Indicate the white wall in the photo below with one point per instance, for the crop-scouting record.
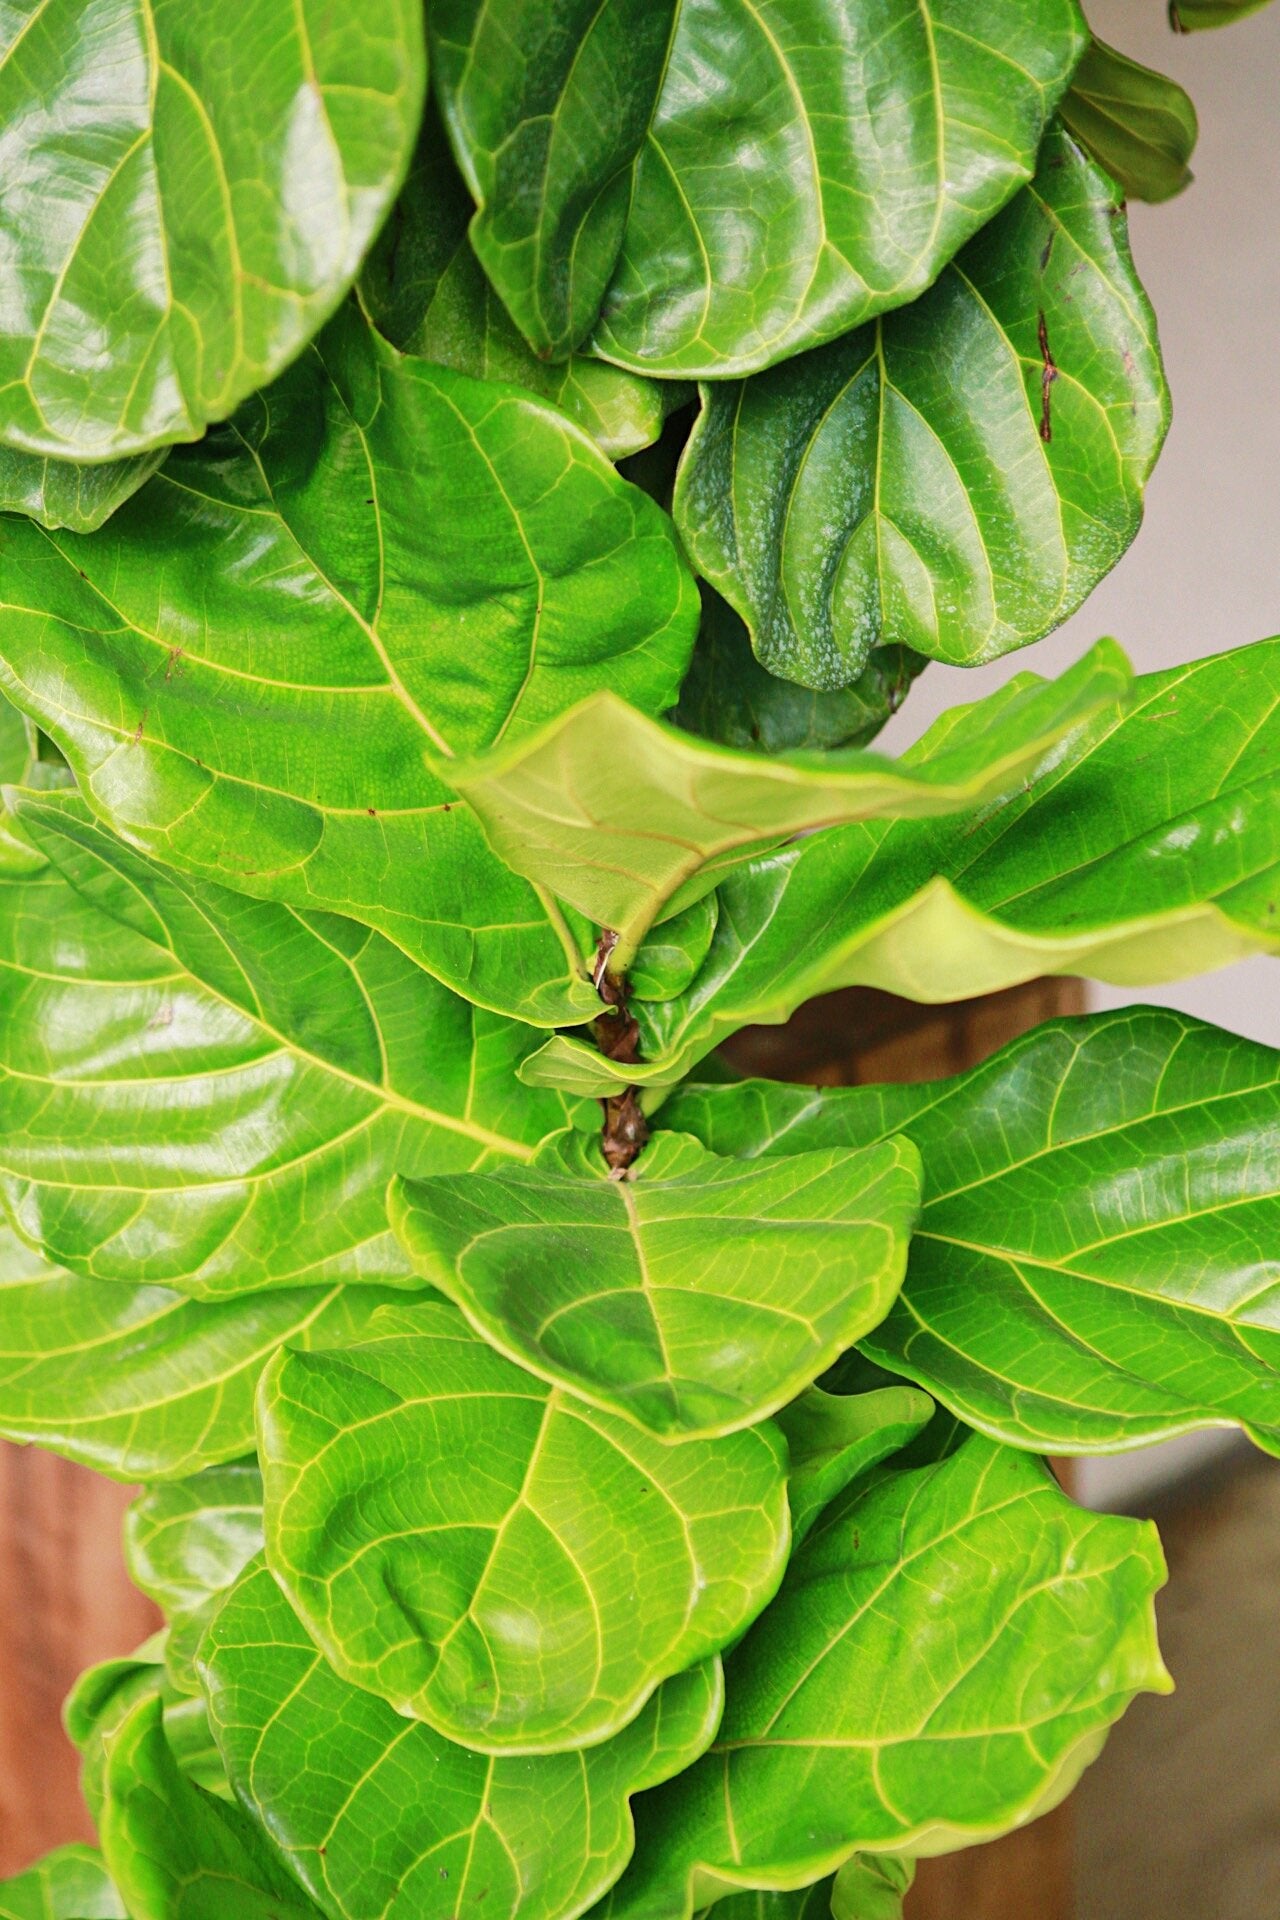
(1204, 572)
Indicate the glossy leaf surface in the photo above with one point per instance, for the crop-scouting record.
(532, 1605)
(428, 293)
(64, 493)
(834, 1437)
(395, 1811)
(955, 477)
(810, 164)
(945, 1656)
(186, 1545)
(69, 1884)
(139, 1382)
(694, 1297)
(1148, 850)
(728, 696)
(106, 1695)
(177, 1852)
(260, 708)
(1141, 125)
(1095, 1264)
(626, 851)
(192, 184)
(208, 1092)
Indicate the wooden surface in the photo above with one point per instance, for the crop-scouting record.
(66, 1602)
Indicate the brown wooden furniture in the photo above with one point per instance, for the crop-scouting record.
(65, 1601)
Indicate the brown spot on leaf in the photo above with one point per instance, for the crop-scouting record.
(1048, 374)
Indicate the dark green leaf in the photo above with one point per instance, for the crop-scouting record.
(186, 1544)
(495, 1557)
(956, 477)
(425, 289)
(260, 707)
(177, 1852)
(834, 1437)
(139, 1382)
(1141, 125)
(1148, 850)
(208, 1092)
(945, 1656)
(1095, 1265)
(839, 157)
(191, 185)
(728, 696)
(694, 1297)
(70, 1884)
(1189, 16)
(736, 181)
(627, 851)
(390, 1811)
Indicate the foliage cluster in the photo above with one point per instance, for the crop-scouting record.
(458, 551)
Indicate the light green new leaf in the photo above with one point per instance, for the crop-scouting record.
(70, 1884)
(191, 185)
(728, 696)
(207, 1092)
(138, 1382)
(493, 1556)
(104, 1696)
(625, 849)
(177, 1852)
(427, 292)
(1141, 125)
(250, 664)
(186, 1544)
(804, 1903)
(945, 1656)
(1147, 850)
(695, 1296)
(1095, 1266)
(64, 493)
(872, 1887)
(955, 477)
(834, 1437)
(810, 164)
(369, 1808)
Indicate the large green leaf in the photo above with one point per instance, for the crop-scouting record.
(625, 851)
(64, 493)
(139, 1382)
(71, 1884)
(735, 181)
(209, 1092)
(955, 477)
(177, 1852)
(872, 1887)
(260, 707)
(728, 696)
(493, 1556)
(1141, 125)
(694, 1297)
(1146, 850)
(945, 1656)
(1095, 1265)
(426, 290)
(187, 1543)
(839, 156)
(191, 186)
(369, 1808)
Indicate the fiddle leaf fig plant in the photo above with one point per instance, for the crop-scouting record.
(475, 483)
